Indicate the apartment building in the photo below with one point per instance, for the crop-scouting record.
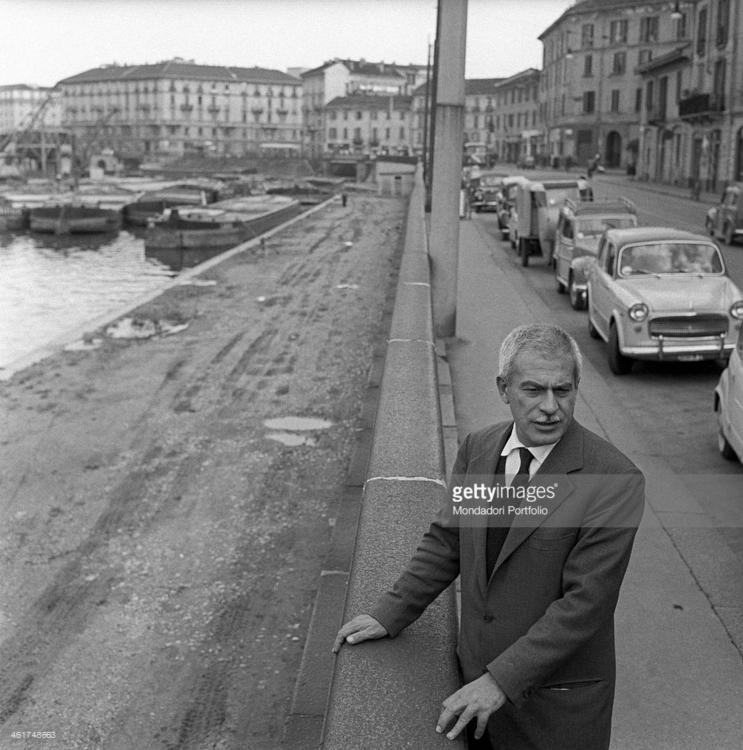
(338, 78)
(592, 82)
(516, 123)
(22, 106)
(369, 124)
(479, 117)
(177, 107)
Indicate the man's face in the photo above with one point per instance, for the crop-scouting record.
(541, 394)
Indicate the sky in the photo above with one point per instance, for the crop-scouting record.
(45, 41)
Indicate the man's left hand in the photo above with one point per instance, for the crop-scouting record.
(479, 698)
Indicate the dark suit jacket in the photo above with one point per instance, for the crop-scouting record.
(543, 625)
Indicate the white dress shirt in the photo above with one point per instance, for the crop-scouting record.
(513, 461)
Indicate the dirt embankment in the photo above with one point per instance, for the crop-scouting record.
(159, 552)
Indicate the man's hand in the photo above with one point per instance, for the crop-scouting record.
(479, 698)
(361, 628)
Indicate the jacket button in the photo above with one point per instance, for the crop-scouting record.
(488, 618)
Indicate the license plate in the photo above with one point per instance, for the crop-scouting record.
(690, 358)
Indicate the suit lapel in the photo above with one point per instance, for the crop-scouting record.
(566, 457)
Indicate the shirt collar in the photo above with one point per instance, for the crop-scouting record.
(540, 452)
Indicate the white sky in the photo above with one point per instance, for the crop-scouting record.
(44, 41)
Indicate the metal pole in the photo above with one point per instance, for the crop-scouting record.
(426, 105)
(447, 173)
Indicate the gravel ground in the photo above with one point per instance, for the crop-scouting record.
(159, 551)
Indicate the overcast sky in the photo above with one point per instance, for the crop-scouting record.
(44, 41)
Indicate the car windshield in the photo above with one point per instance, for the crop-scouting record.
(556, 196)
(595, 226)
(490, 181)
(670, 258)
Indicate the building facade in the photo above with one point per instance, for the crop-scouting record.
(343, 78)
(176, 107)
(517, 132)
(653, 86)
(368, 124)
(23, 106)
(592, 85)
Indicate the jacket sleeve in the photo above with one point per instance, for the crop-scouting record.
(592, 577)
(432, 568)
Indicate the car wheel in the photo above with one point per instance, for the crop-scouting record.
(726, 450)
(618, 363)
(577, 300)
(524, 251)
(729, 235)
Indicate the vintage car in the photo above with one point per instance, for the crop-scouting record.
(485, 190)
(725, 220)
(729, 405)
(538, 205)
(579, 229)
(656, 293)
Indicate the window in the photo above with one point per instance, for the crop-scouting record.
(588, 66)
(619, 63)
(718, 83)
(662, 97)
(702, 32)
(402, 134)
(586, 36)
(332, 133)
(649, 95)
(723, 21)
(333, 114)
(649, 29)
(359, 115)
(386, 134)
(615, 100)
(618, 32)
(589, 102)
(645, 56)
(357, 134)
(345, 134)
(681, 26)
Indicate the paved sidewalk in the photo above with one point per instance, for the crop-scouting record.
(680, 676)
(617, 178)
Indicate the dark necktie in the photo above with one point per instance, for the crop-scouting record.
(496, 535)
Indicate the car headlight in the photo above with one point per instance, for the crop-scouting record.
(736, 309)
(638, 312)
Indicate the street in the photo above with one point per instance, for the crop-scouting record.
(669, 404)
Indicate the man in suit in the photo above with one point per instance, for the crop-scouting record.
(536, 641)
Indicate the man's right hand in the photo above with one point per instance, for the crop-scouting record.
(361, 628)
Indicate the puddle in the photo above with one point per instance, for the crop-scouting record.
(131, 328)
(292, 439)
(297, 424)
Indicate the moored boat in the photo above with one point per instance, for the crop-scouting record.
(69, 219)
(13, 218)
(195, 231)
(189, 193)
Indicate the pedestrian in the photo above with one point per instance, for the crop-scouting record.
(536, 640)
(593, 165)
(344, 199)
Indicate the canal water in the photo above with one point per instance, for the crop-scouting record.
(49, 285)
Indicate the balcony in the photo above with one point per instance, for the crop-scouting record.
(186, 107)
(213, 110)
(701, 106)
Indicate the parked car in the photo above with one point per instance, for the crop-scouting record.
(729, 405)
(579, 229)
(538, 205)
(484, 191)
(725, 220)
(656, 293)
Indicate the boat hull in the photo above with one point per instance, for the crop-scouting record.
(183, 244)
(73, 220)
